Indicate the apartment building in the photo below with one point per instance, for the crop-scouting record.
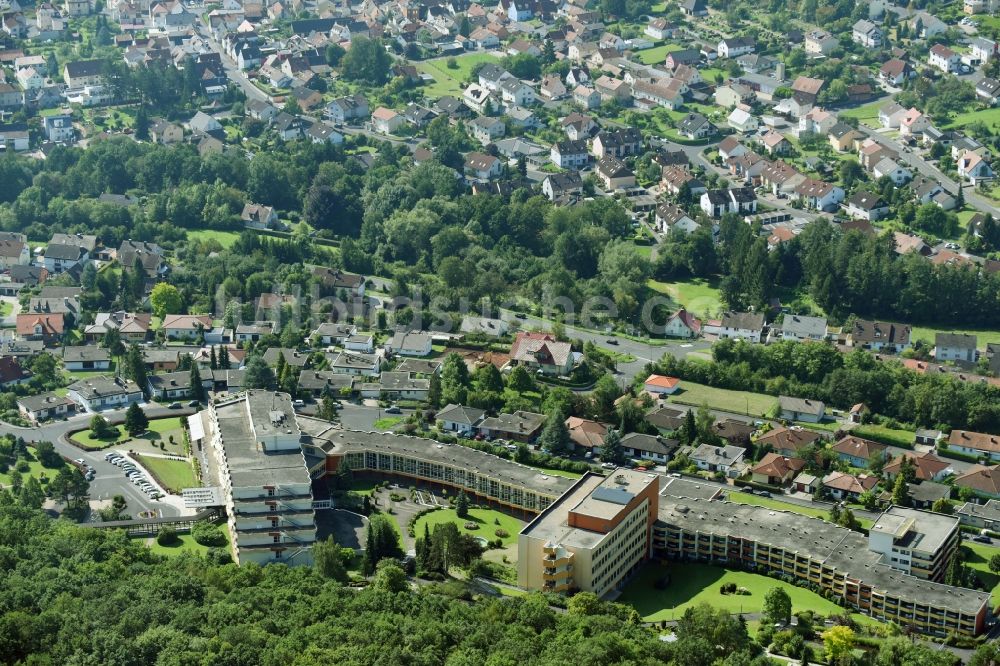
(593, 537)
(485, 478)
(814, 551)
(256, 459)
(919, 543)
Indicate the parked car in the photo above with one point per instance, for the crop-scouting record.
(982, 538)
(174, 405)
(393, 409)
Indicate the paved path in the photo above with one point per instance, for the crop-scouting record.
(109, 480)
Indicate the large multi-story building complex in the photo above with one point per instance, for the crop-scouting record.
(593, 538)
(257, 458)
(832, 558)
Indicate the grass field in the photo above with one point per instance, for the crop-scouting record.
(698, 296)
(173, 475)
(387, 423)
(185, 544)
(558, 472)
(885, 435)
(160, 431)
(692, 584)
(928, 334)
(6, 307)
(484, 518)
(450, 81)
(225, 238)
(657, 54)
(991, 117)
(739, 402)
(866, 115)
(977, 556)
(778, 505)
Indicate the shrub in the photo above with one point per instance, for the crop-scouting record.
(167, 536)
(471, 525)
(22, 466)
(396, 497)
(502, 533)
(207, 534)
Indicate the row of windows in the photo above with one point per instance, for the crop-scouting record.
(610, 544)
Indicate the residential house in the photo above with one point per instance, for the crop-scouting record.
(865, 205)
(843, 137)
(696, 126)
(926, 467)
(739, 200)
(800, 409)
(820, 42)
(775, 143)
(776, 470)
(613, 89)
(734, 94)
(735, 46)
(890, 115)
(45, 406)
(977, 444)
(47, 328)
(819, 195)
(131, 327)
(617, 143)
(893, 170)
(570, 154)
(386, 121)
(409, 343)
(82, 73)
(99, 393)
(694, 7)
(895, 72)
(578, 127)
(552, 88)
(144, 257)
(743, 121)
(165, 132)
(955, 347)
(867, 34)
(788, 442)
(682, 324)
(88, 357)
(660, 28)
(515, 92)
(727, 459)
(943, 58)
(661, 385)
(974, 168)
(258, 216)
(586, 434)
(58, 128)
(740, 325)
(913, 123)
(879, 336)
(988, 90)
(801, 328)
(346, 109)
(659, 449)
(669, 217)
(485, 129)
(981, 480)
(562, 186)
(980, 516)
(614, 174)
(180, 326)
(586, 97)
(859, 452)
(483, 167)
(174, 385)
(542, 352)
(843, 486)
(460, 419)
(331, 333)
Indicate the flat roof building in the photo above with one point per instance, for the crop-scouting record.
(593, 538)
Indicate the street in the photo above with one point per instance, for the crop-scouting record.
(109, 480)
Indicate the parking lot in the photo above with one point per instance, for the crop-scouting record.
(134, 472)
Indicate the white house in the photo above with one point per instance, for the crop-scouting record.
(888, 168)
(99, 393)
(386, 121)
(682, 324)
(972, 167)
(943, 58)
(661, 385)
(726, 459)
(735, 46)
(743, 121)
(460, 419)
(867, 34)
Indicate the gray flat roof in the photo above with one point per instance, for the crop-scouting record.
(337, 440)
(931, 530)
(837, 547)
(249, 464)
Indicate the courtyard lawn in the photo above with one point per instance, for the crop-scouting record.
(387, 423)
(185, 544)
(551, 471)
(700, 297)
(35, 469)
(450, 81)
(6, 307)
(225, 238)
(977, 556)
(484, 518)
(738, 402)
(86, 439)
(160, 431)
(173, 475)
(693, 584)
(983, 336)
(891, 436)
(866, 115)
(778, 505)
(657, 54)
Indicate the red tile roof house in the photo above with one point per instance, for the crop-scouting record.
(975, 444)
(788, 441)
(928, 467)
(185, 326)
(659, 384)
(982, 480)
(35, 326)
(586, 434)
(847, 486)
(859, 452)
(542, 352)
(776, 470)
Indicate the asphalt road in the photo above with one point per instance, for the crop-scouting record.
(109, 480)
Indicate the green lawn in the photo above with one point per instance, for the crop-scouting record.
(740, 402)
(692, 584)
(450, 81)
(387, 423)
(558, 472)
(484, 518)
(657, 54)
(866, 115)
(698, 296)
(6, 307)
(225, 238)
(770, 503)
(928, 334)
(991, 117)
(87, 440)
(977, 556)
(885, 435)
(160, 431)
(36, 469)
(174, 475)
(185, 544)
